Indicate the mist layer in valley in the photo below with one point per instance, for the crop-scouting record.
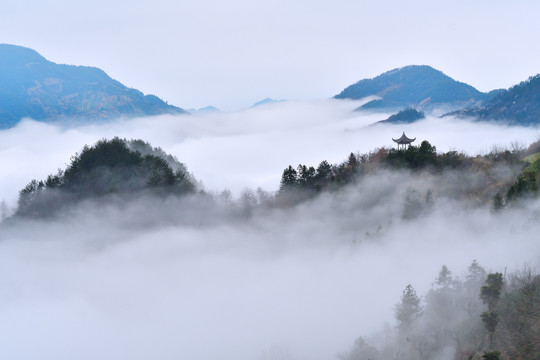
(209, 277)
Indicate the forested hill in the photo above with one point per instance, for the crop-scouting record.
(405, 116)
(477, 179)
(31, 86)
(109, 168)
(519, 105)
(417, 86)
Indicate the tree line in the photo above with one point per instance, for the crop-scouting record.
(491, 316)
(303, 182)
(110, 167)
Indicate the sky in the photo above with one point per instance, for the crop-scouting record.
(230, 54)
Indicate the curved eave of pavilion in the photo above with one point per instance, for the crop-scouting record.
(403, 139)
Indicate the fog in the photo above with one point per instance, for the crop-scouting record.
(200, 279)
(245, 149)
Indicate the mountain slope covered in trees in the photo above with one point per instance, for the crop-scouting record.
(519, 105)
(417, 86)
(31, 86)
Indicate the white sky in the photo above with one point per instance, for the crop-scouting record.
(231, 54)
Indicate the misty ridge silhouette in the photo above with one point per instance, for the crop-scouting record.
(126, 169)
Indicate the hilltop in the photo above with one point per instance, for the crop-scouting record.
(114, 167)
(31, 86)
(416, 86)
(406, 116)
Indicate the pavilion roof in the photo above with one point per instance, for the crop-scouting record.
(404, 139)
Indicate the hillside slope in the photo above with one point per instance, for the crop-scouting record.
(519, 105)
(31, 86)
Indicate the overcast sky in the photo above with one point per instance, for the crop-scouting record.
(231, 54)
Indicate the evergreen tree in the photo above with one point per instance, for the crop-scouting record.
(324, 171)
(413, 205)
(305, 175)
(490, 294)
(444, 280)
(490, 320)
(498, 203)
(289, 179)
(352, 161)
(409, 308)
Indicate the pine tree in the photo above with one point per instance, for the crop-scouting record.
(289, 179)
(409, 308)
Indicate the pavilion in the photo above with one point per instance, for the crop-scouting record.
(403, 142)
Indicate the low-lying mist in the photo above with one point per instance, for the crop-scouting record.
(198, 277)
(178, 278)
(244, 149)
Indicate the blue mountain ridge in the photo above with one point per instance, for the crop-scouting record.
(415, 86)
(519, 105)
(31, 86)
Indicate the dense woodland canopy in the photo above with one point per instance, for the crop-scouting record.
(110, 167)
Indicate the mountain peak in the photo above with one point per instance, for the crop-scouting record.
(410, 69)
(14, 54)
(31, 86)
(417, 86)
(266, 101)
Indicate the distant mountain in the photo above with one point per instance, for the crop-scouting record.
(266, 101)
(406, 116)
(417, 86)
(519, 105)
(207, 109)
(32, 86)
